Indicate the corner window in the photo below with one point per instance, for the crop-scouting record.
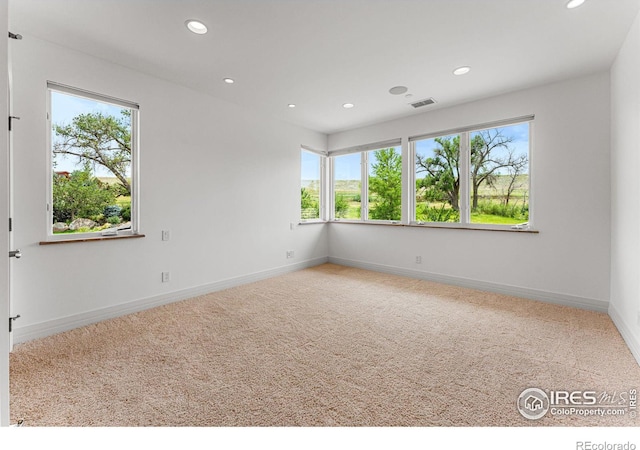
(93, 163)
(347, 186)
(311, 185)
(367, 183)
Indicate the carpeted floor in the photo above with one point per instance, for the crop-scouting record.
(327, 346)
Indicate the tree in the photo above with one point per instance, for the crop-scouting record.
(442, 180)
(386, 184)
(80, 195)
(486, 162)
(99, 140)
(491, 154)
(514, 172)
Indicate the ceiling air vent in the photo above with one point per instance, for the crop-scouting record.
(428, 101)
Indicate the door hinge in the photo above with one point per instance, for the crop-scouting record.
(11, 319)
(10, 224)
(11, 118)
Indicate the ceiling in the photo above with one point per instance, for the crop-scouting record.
(320, 54)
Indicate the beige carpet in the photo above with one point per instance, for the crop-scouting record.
(327, 346)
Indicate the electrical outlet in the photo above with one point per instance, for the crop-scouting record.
(165, 277)
(166, 235)
(289, 254)
(418, 259)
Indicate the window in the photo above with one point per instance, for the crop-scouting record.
(347, 186)
(311, 185)
(437, 176)
(384, 184)
(470, 177)
(499, 175)
(93, 151)
(474, 176)
(367, 183)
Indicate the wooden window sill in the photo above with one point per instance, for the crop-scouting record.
(92, 239)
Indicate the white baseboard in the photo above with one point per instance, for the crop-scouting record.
(531, 294)
(629, 337)
(50, 327)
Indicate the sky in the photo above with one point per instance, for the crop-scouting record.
(310, 166)
(347, 167)
(64, 108)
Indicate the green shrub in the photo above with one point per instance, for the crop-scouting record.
(309, 206)
(114, 220)
(98, 218)
(79, 194)
(342, 206)
(126, 213)
(112, 211)
(513, 211)
(444, 213)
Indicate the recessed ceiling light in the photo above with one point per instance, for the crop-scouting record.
(195, 26)
(348, 105)
(229, 80)
(291, 105)
(397, 90)
(462, 70)
(574, 3)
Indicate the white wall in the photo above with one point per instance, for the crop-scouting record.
(568, 261)
(223, 180)
(625, 187)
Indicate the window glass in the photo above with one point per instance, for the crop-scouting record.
(437, 165)
(385, 184)
(499, 175)
(310, 185)
(347, 186)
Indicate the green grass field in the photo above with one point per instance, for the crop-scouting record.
(494, 219)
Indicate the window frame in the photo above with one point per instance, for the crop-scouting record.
(135, 163)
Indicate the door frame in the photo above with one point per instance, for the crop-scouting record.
(4, 215)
